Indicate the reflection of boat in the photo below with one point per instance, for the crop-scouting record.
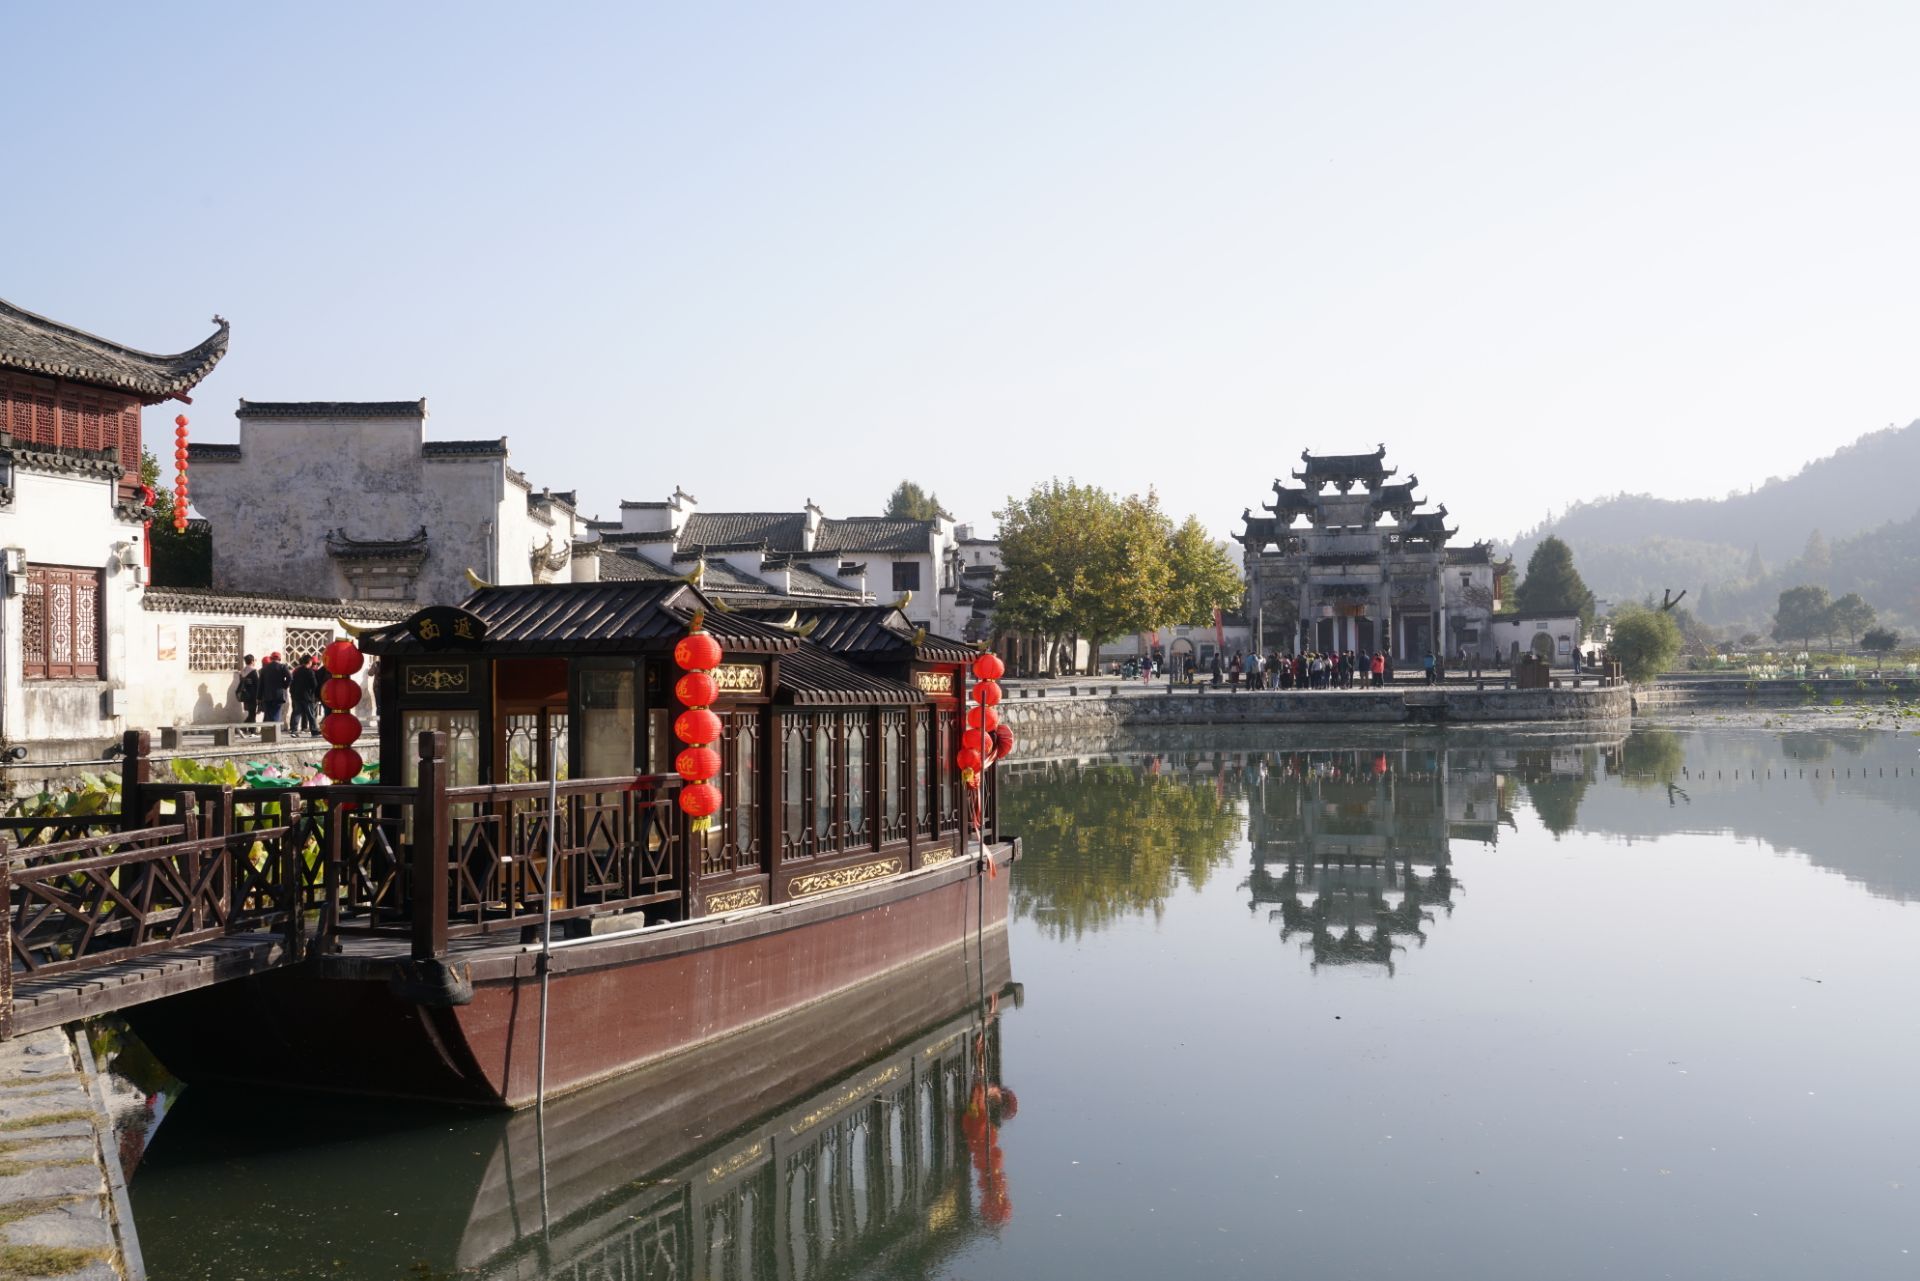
(844, 1139)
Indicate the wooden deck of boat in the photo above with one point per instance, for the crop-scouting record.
(62, 998)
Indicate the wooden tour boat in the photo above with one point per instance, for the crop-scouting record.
(525, 909)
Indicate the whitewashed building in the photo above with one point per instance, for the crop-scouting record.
(807, 554)
(350, 499)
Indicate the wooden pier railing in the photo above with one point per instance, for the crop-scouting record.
(429, 863)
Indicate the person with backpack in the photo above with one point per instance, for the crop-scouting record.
(248, 691)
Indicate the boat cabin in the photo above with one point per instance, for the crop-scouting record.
(839, 728)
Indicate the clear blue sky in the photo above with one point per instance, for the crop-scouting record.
(1543, 251)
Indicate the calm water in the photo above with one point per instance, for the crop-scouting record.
(1355, 1005)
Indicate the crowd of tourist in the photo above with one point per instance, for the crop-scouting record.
(1310, 669)
(284, 694)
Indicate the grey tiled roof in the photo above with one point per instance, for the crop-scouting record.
(332, 408)
(36, 345)
(809, 581)
(496, 448)
(778, 531)
(189, 600)
(207, 451)
(615, 567)
(873, 534)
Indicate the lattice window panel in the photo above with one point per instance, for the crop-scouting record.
(214, 649)
(302, 641)
(60, 619)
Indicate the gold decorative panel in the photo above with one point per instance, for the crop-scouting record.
(740, 678)
(839, 878)
(437, 680)
(734, 900)
(933, 682)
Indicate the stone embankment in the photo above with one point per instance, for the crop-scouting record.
(1680, 692)
(63, 1206)
(1094, 707)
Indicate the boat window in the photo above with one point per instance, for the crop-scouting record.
(856, 731)
(607, 709)
(823, 783)
(742, 782)
(893, 775)
(793, 782)
(462, 728)
(659, 742)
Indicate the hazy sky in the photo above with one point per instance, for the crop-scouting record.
(1543, 251)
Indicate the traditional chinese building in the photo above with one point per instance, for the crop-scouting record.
(1348, 559)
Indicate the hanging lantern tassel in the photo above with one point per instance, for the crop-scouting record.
(340, 695)
(698, 655)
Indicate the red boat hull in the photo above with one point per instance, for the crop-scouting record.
(612, 1004)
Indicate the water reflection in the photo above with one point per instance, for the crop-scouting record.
(872, 1133)
(1350, 845)
(1350, 848)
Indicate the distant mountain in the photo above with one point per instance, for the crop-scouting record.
(1863, 500)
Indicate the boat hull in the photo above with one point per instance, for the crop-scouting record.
(612, 1004)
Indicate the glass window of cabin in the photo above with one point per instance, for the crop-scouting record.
(893, 775)
(915, 720)
(856, 731)
(607, 710)
(793, 784)
(659, 741)
(462, 728)
(536, 743)
(742, 783)
(823, 783)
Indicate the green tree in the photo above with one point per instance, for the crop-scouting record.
(1880, 640)
(1756, 568)
(1204, 577)
(1552, 584)
(910, 502)
(1078, 563)
(1851, 615)
(1802, 614)
(1645, 641)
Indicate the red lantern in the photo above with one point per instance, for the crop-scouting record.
(697, 764)
(1002, 742)
(978, 740)
(967, 759)
(697, 725)
(700, 800)
(697, 652)
(696, 689)
(343, 658)
(180, 423)
(982, 717)
(339, 695)
(342, 729)
(342, 764)
(986, 693)
(988, 667)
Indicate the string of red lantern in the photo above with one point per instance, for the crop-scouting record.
(180, 474)
(340, 695)
(979, 745)
(698, 654)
